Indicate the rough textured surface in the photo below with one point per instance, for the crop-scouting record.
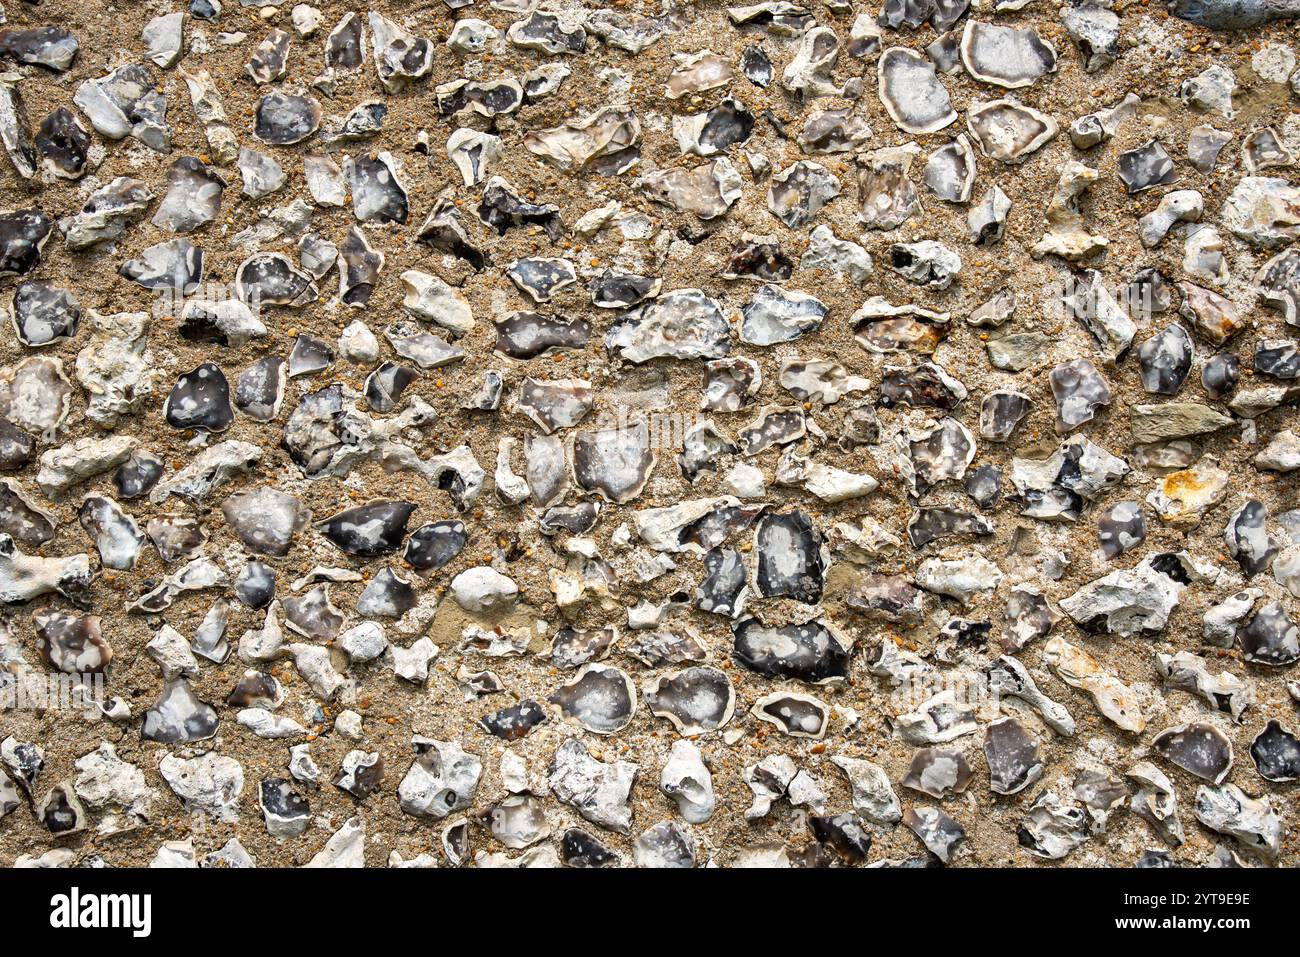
(352, 709)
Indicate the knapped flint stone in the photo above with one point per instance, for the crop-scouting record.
(1120, 528)
(756, 66)
(940, 834)
(1030, 616)
(911, 92)
(938, 772)
(614, 463)
(695, 700)
(797, 193)
(1276, 753)
(378, 195)
(1228, 810)
(606, 142)
(282, 119)
(503, 209)
(814, 652)
(21, 520)
(17, 448)
(52, 47)
(513, 723)
(1132, 600)
(833, 131)
(383, 388)
(776, 315)
(1079, 390)
(541, 278)
(259, 390)
(179, 717)
(193, 197)
(573, 648)
(928, 385)
(1096, 31)
(1221, 374)
(600, 698)
(1150, 293)
(597, 790)
(61, 811)
(1166, 359)
(772, 427)
(1247, 539)
(1000, 412)
(577, 519)
(1270, 637)
(616, 290)
(116, 536)
(270, 58)
(936, 523)
(794, 713)
(126, 102)
(285, 812)
(683, 324)
(1224, 692)
(265, 519)
(200, 400)
(1145, 167)
(1009, 131)
(1005, 56)
(1278, 282)
(1012, 755)
(399, 56)
(939, 453)
(433, 545)
(1278, 358)
(843, 833)
(887, 198)
(443, 230)
(23, 233)
(175, 265)
(886, 597)
(791, 560)
(1261, 211)
(986, 221)
(43, 313)
(527, 335)
(1053, 827)
(308, 355)
(984, 485)
(704, 449)
(138, 474)
(926, 263)
(1199, 748)
(655, 649)
(370, 530)
(106, 215)
(15, 132)
(313, 615)
(255, 584)
(950, 175)
(72, 644)
(345, 47)
(442, 779)
(271, 279)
